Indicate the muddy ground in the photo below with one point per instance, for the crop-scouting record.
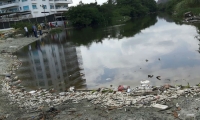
(84, 110)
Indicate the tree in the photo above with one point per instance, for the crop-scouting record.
(113, 10)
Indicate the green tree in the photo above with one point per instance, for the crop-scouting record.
(92, 14)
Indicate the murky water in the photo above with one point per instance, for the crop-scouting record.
(124, 54)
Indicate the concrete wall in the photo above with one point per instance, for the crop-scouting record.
(50, 18)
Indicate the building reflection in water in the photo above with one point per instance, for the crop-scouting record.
(55, 65)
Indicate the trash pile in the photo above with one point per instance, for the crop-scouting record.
(6, 33)
(111, 98)
(190, 18)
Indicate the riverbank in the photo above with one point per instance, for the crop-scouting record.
(9, 46)
(105, 104)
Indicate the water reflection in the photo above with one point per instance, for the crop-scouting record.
(115, 55)
(52, 65)
(123, 61)
(89, 35)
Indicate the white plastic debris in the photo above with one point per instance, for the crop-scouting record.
(160, 106)
(62, 93)
(71, 89)
(31, 92)
(177, 105)
(12, 46)
(128, 90)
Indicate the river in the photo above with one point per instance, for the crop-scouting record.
(116, 55)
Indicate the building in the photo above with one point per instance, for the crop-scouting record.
(37, 8)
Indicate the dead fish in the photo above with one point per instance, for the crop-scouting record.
(175, 114)
(150, 76)
(178, 109)
(158, 77)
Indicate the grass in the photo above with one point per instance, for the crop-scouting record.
(107, 91)
(186, 6)
(56, 30)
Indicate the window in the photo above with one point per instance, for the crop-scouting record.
(36, 61)
(41, 83)
(24, 0)
(50, 83)
(44, 6)
(51, 6)
(60, 19)
(40, 76)
(34, 6)
(26, 7)
(13, 9)
(65, 6)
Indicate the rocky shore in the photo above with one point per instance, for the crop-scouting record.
(16, 103)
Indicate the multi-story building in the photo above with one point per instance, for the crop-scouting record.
(36, 7)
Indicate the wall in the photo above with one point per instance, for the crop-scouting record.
(50, 18)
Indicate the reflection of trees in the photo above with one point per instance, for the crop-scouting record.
(166, 17)
(170, 18)
(88, 35)
(197, 25)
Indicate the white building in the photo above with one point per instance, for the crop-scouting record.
(35, 6)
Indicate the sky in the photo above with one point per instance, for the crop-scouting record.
(75, 2)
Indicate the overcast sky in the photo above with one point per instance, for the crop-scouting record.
(75, 2)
